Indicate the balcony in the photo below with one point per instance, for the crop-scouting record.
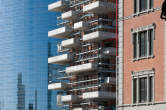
(97, 36)
(69, 98)
(99, 7)
(58, 6)
(81, 68)
(99, 95)
(70, 43)
(109, 51)
(61, 59)
(80, 25)
(58, 86)
(79, 109)
(70, 15)
(62, 32)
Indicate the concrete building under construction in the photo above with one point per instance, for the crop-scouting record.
(86, 54)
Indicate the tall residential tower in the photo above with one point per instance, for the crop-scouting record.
(87, 54)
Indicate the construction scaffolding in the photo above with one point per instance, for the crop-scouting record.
(87, 53)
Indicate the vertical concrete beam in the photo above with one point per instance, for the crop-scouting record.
(120, 61)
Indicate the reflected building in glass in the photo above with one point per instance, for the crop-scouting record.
(23, 54)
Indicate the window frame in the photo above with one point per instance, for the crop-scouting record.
(136, 33)
(150, 97)
(137, 6)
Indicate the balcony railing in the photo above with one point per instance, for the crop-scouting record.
(62, 32)
(58, 6)
(58, 86)
(99, 7)
(61, 59)
(70, 43)
(70, 15)
(80, 25)
(99, 95)
(81, 68)
(97, 36)
(70, 98)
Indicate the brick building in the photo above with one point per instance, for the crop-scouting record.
(142, 56)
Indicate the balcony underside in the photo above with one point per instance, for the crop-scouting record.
(70, 43)
(80, 25)
(97, 36)
(58, 6)
(99, 7)
(69, 98)
(70, 15)
(89, 67)
(99, 95)
(58, 86)
(61, 59)
(62, 32)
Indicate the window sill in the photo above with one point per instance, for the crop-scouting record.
(143, 12)
(142, 58)
(145, 103)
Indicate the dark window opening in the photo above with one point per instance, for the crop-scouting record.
(143, 90)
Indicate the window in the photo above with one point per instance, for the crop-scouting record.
(135, 45)
(150, 42)
(143, 86)
(151, 89)
(143, 43)
(143, 89)
(142, 5)
(134, 90)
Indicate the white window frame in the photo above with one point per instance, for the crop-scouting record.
(138, 12)
(137, 31)
(142, 74)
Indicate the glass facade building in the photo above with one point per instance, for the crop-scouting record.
(23, 54)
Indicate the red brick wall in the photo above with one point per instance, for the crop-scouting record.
(157, 62)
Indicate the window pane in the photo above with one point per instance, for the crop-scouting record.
(150, 42)
(135, 45)
(142, 44)
(143, 90)
(135, 6)
(134, 90)
(151, 4)
(145, 41)
(143, 5)
(151, 89)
